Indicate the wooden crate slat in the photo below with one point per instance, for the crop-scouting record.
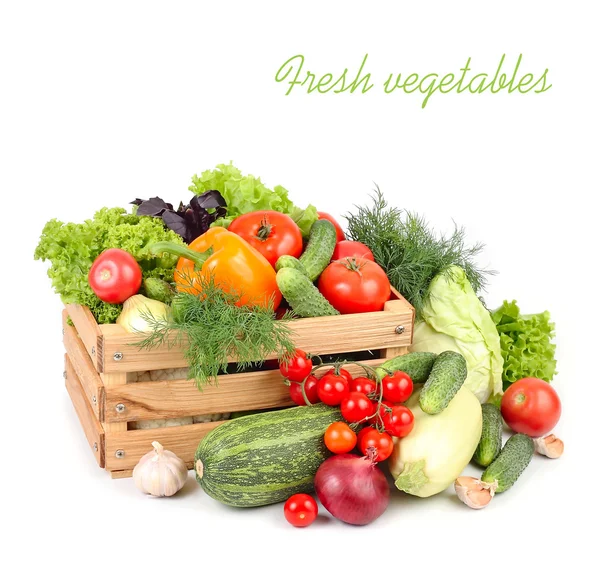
(91, 426)
(237, 392)
(324, 335)
(115, 474)
(182, 440)
(82, 364)
(88, 331)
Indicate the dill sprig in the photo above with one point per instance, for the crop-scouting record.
(410, 252)
(215, 331)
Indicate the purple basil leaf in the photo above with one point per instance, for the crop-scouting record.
(153, 207)
(177, 224)
(211, 199)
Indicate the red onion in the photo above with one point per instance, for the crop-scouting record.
(352, 488)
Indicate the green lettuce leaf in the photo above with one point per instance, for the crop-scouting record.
(72, 248)
(245, 194)
(526, 342)
(455, 319)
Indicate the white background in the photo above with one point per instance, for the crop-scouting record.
(105, 102)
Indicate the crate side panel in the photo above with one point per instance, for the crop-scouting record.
(88, 331)
(82, 364)
(90, 424)
(324, 335)
(181, 440)
(259, 390)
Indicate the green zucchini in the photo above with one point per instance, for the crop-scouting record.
(290, 261)
(264, 458)
(321, 244)
(448, 374)
(513, 459)
(490, 443)
(304, 298)
(417, 365)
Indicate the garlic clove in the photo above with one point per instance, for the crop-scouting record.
(160, 472)
(549, 446)
(473, 492)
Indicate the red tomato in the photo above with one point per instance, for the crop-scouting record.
(343, 373)
(333, 389)
(300, 510)
(531, 406)
(363, 384)
(339, 438)
(272, 233)
(397, 387)
(361, 434)
(115, 276)
(338, 229)
(384, 408)
(355, 285)
(356, 407)
(351, 249)
(399, 422)
(310, 387)
(380, 441)
(298, 368)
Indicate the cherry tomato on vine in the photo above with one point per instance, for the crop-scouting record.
(397, 387)
(380, 441)
(339, 438)
(351, 249)
(298, 368)
(115, 276)
(361, 434)
(363, 384)
(310, 387)
(300, 510)
(384, 407)
(333, 389)
(399, 422)
(272, 233)
(356, 407)
(338, 229)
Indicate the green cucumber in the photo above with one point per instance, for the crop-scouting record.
(290, 261)
(303, 297)
(513, 459)
(265, 458)
(448, 374)
(490, 443)
(321, 244)
(417, 365)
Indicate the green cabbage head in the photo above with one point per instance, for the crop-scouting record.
(454, 318)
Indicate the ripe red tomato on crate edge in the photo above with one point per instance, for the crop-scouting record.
(341, 373)
(339, 438)
(355, 285)
(298, 368)
(363, 384)
(338, 229)
(351, 249)
(272, 233)
(115, 276)
(300, 510)
(531, 406)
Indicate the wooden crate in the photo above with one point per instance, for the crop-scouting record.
(99, 357)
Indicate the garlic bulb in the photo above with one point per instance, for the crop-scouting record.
(159, 472)
(138, 310)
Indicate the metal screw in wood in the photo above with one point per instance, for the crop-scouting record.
(118, 356)
(93, 350)
(64, 374)
(94, 400)
(120, 453)
(96, 447)
(399, 330)
(120, 408)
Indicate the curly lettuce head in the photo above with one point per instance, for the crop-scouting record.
(245, 194)
(455, 319)
(72, 248)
